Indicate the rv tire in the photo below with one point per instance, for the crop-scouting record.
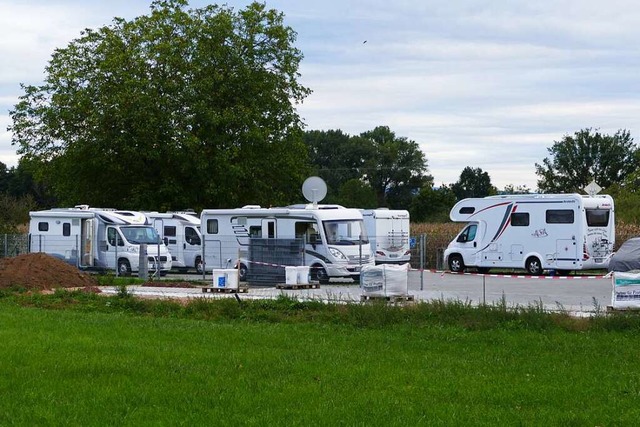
(320, 274)
(456, 264)
(533, 266)
(198, 265)
(242, 273)
(124, 268)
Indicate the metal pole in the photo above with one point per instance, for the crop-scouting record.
(116, 254)
(143, 263)
(77, 251)
(484, 294)
(204, 275)
(421, 254)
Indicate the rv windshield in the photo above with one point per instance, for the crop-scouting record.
(345, 232)
(140, 234)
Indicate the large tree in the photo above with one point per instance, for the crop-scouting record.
(587, 155)
(178, 108)
(335, 158)
(396, 167)
(473, 182)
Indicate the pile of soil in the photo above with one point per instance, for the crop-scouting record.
(38, 271)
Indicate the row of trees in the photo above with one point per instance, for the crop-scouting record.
(197, 108)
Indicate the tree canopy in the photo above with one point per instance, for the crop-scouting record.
(178, 108)
(587, 155)
(473, 182)
(393, 167)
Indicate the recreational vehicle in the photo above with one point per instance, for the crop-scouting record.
(388, 232)
(332, 238)
(180, 231)
(94, 238)
(559, 232)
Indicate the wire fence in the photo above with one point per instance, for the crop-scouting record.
(13, 245)
(222, 253)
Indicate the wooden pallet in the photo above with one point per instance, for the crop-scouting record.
(388, 298)
(241, 289)
(298, 286)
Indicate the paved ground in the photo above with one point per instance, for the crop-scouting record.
(581, 295)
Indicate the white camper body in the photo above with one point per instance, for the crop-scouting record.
(335, 240)
(94, 238)
(388, 231)
(560, 232)
(180, 231)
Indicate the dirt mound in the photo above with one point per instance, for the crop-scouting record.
(40, 271)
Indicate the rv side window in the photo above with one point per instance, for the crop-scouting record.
(520, 219)
(467, 210)
(255, 231)
(43, 226)
(212, 226)
(560, 216)
(191, 236)
(468, 234)
(112, 234)
(66, 229)
(597, 217)
(169, 231)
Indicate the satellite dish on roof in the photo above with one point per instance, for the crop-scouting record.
(314, 189)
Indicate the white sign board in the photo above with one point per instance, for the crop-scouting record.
(592, 188)
(626, 290)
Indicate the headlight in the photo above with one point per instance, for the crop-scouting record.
(336, 253)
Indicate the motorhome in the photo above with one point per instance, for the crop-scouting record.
(558, 232)
(334, 239)
(388, 231)
(180, 231)
(96, 238)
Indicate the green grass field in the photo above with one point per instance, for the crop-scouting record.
(72, 359)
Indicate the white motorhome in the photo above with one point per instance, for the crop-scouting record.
(560, 232)
(388, 231)
(180, 231)
(335, 242)
(95, 238)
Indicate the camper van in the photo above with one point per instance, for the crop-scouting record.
(333, 238)
(388, 232)
(95, 238)
(559, 232)
(180, 231)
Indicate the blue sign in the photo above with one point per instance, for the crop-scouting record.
(412, 242)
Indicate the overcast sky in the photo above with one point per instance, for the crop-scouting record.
(488, 84)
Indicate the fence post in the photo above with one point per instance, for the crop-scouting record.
(204, 269)
(423, 251)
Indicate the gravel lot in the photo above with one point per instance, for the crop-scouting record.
(581, 295)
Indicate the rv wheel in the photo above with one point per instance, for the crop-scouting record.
(242, 273)
(456, 264)
(124, 268)
(320, 274)
(199, 265)
(533, 266)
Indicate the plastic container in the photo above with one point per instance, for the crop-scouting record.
(226, 278)
(291, 275)
(303, 274)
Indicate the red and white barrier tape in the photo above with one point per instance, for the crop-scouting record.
(514, 276)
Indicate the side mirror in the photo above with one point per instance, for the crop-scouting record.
(166, 241)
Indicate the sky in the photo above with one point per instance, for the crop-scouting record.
(489, 84)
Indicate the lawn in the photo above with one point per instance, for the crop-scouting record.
(96, 362)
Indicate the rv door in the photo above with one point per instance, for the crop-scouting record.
(269, 228)
(467, 244)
